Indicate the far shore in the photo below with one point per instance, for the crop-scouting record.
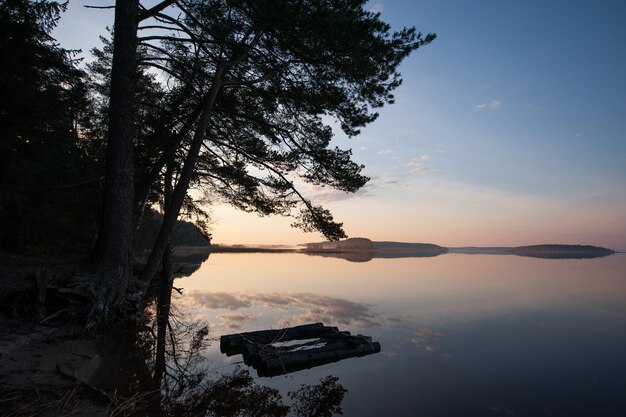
(400, 249)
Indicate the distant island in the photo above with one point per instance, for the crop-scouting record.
(556, 251)
(547, 251)
(361, 249)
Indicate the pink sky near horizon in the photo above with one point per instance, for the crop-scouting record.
(451, 226)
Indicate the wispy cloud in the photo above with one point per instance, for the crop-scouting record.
(321, 195)
(404, 174)
(385, 152)
(417, 166)
(492, 105)
(420, 170)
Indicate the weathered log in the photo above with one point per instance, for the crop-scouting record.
(34, 281)
(43, 292)
(234, 344)
(19, 281)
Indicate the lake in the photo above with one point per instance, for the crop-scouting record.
(461, 335)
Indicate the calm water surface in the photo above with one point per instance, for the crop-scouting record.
(461, 335)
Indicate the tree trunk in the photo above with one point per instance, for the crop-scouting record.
(173, 209)
(114, 248)
(165, 293)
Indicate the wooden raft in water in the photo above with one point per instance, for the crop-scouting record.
(271, 353)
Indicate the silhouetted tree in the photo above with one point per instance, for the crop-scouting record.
(263, 76)
(115, 237)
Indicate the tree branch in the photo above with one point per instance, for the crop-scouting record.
(159, 27)
(174, 39)
(154, 10)
(148, 62)
(260, 79)
(273, 169)
(244, 54)
(250, 118)
(166, 57)
(98, 7)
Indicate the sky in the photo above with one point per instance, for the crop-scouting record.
(509, 129)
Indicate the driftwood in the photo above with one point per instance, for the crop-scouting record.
(43, 292)
(234, 344)
(268, 353)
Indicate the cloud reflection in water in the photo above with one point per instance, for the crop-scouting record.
(425, 338)
(236, 321)
(311, 307)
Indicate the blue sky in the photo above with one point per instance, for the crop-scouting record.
(525, 96)
(508, 129)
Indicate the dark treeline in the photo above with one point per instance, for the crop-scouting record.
(50, 173)
(227, 97)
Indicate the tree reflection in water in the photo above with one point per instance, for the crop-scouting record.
(160, 370)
